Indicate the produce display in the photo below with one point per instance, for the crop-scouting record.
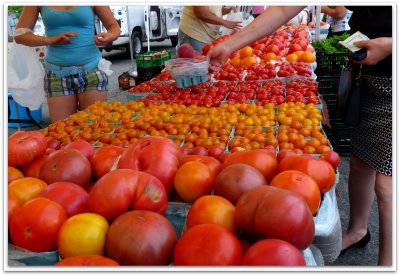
(244, 154)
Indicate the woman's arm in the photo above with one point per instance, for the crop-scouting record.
(107, 18)
(28, 20)
(267, 22)
(337, 12)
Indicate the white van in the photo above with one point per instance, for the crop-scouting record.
(163, 23)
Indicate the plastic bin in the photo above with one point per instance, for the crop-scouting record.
(330, 65)
(22, 113)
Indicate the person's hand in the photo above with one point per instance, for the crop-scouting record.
(61, 39)
(234, 25)
(218, 55)
(378, 49)
(104, 38)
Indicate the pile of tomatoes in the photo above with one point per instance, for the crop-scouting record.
(106, 206)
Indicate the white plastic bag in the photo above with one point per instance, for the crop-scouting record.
(25, 76)
(231, 16)
(105, 65)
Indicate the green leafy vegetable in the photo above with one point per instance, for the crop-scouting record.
(331, 45)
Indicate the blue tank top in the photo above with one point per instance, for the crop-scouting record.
(83, 49)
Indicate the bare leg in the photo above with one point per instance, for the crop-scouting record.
(361, 196)
(89, 97)
(61, 107)
(383, 190)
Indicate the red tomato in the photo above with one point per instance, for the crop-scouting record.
(320, 170)
(34, 226)
(88, 260)
(68, 165)
(236, 179)
(215, 151)
(13, 174)
(26, 188)
(332, 157)
(185, 151)
(141, 238)
(207, 245)
(72, 197)
(223, 156)
(301, 184)
(104, 158)
(24, 147)
(157, 156)
(246, 207)
(273, 252)
(284, 153)
(193, 180)
(33, 168)
(206, 48)
(82, 234)
(150, 194)
(199, 150)
(120, 190)
(52, 143)
(83, 146)
(213, 164)
(212, 209)
(262, 160)
(13, 205)
(282, 214)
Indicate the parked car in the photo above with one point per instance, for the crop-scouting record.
(142, 23)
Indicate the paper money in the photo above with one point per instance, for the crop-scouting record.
(348, 43)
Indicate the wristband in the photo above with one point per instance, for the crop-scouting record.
(21, 31)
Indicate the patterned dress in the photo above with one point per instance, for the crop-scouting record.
(372, 139)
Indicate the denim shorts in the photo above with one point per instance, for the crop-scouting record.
(74, 83)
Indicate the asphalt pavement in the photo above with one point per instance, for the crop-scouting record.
(356, 258)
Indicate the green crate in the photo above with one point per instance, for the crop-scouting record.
(330, 65)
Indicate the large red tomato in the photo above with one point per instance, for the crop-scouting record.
(262, 160)
(301, 184)
(104, 158)
(82, 234)
(33, 168)
(13, 174)
(24, 147)
(157, 156)
(34, 226)
(273, 252)
(26, 188)
(213, 164)
(83, 146)
(121, 190)
(332, 157)
(193, 180)
(212, 209)
(236, 179)
(207, 245)
(282, 214)
(68, 165)
(320, 170)
(72, 197)
(13, 205)
(87, 260)
(246, 207)
(141, 237)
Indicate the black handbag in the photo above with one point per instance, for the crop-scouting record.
(349, 96)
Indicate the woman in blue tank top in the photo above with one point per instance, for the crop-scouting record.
(72, 79)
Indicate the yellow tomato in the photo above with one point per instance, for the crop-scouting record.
(82, 234)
